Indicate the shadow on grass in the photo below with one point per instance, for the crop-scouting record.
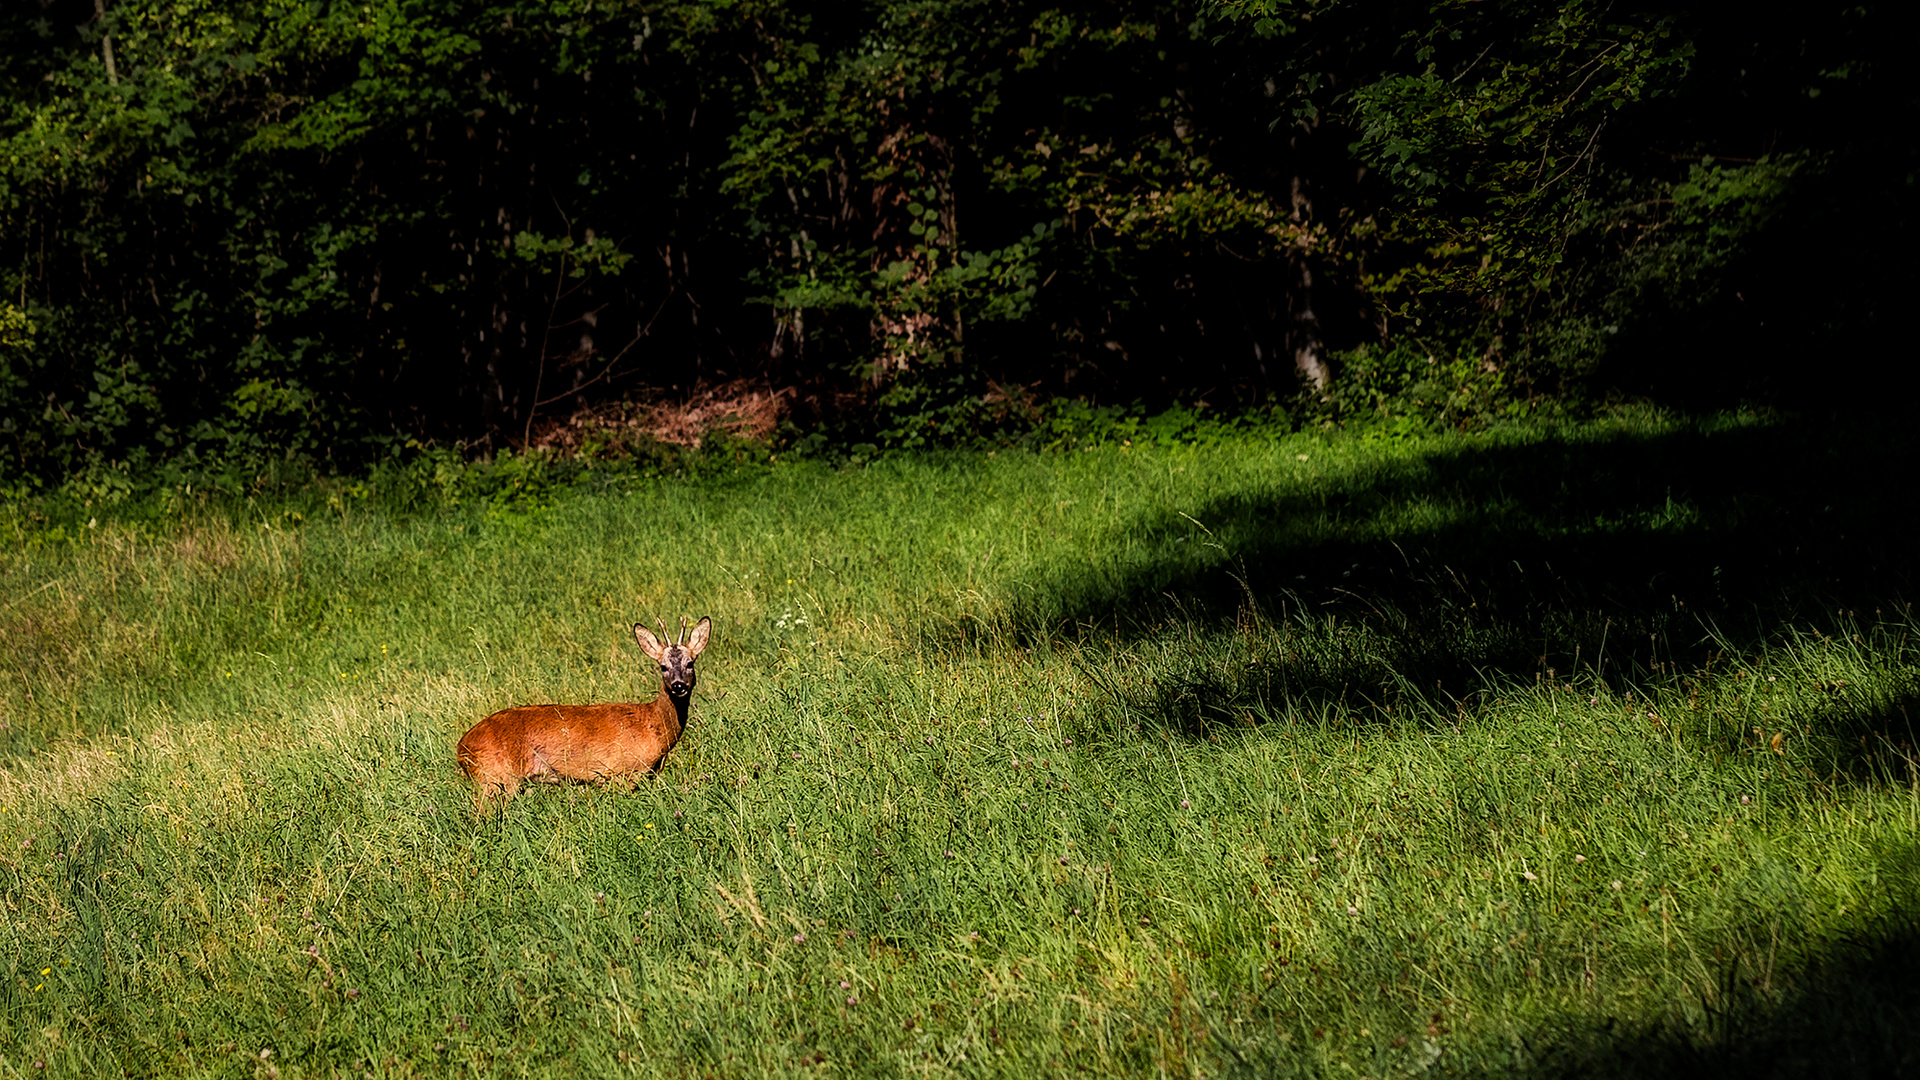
(1778, 1001)
(1875, 741)
(1849, 1007)
(1418, 581)
(1854, 1013)
(1851, 1011)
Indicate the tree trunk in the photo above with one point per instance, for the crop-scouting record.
(1303, 331)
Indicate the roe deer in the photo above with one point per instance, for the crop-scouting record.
(551, 743)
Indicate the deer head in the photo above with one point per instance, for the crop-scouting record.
(675, 657)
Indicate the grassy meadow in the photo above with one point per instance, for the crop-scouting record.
(1558, 751)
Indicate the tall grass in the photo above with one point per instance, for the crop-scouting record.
(1312, 756)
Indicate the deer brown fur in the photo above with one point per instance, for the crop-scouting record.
(554, 743)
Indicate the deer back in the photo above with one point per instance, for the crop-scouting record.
(551, 743)
(570, 742)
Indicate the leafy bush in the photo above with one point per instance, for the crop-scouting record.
(1399, 392)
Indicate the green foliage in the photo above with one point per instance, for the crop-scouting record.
(16, 358)
(1076, 425)
(1402, 392)
(1569, 184)
(1031, 173)
(234, 235)
(1383, 393)
(1635, 260)
(325, 230)
(1483, 120)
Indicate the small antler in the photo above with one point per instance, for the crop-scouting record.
(683, 631)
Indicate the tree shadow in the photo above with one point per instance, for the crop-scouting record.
(1826, 1003)
(1869, 742)
(1428, 578)
(1777, 520)
(1851, 1009)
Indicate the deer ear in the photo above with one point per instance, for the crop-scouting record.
(698, 639)
(648, 643)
